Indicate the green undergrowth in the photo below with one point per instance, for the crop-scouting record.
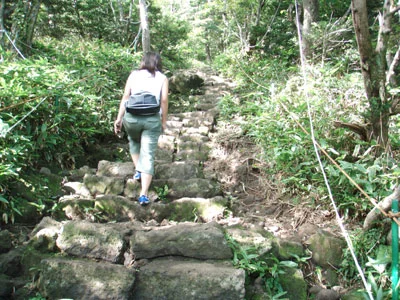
(280, 110)
(57, 104)
(274, 110)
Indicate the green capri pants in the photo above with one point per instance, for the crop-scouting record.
(143, 133)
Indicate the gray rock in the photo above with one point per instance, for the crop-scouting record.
(198, 118)
(104, 185)
(326, 248)
(178, 170)
(288, 249)
(292, 281)
(190, 188)
(78, 174)
(185, 239)
(73, 208)
(91, 240)
(76, 188)
(167, 142)
(184, 209)
(45, 171)
(80, 279)
(116, 169)
(172, 279)
(325, 294)
(185, 81)
(196, 138)
(10, 262)
(192, 155)
(246, 237)
(44, 235)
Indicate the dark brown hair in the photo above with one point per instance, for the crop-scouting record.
(151, 62)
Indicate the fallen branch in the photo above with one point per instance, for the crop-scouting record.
(375, 214)
(362, 130)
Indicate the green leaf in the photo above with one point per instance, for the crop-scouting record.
(3, 200)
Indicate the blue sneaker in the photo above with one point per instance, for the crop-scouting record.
(144, 200)
(137, 176)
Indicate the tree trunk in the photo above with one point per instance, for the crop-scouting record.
(2, 33)
(33, 8)
(373, 66)
(145, 26)
(310, 15)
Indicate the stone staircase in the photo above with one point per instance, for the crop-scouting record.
(100, 243)
(103, 245)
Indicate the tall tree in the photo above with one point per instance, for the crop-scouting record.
(376, 70)
(2, 33)
(310, 15)
(31, 13)
(144, 23)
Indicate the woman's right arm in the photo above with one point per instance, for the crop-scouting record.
(164, 104)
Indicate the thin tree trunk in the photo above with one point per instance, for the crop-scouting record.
(145, 26)
(310, 15)
(30, 22)
(2, 33)
(373, 68)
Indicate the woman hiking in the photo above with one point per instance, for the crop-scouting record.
(144, 128)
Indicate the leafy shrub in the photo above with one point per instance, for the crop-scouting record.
(274, 110)
(54, 107)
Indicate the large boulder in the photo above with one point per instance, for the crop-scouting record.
(184, 239)
(186, 82)
(104, 184)
(172, 278)
(91, 240)
(326, 248)
(81, 279)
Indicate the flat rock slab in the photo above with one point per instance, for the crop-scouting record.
(91, 240)
(191, 188)
(81, 279)
(172, 279)
(117, 208)
(104, 184)
(178, 170)
(116, 169)
(201, 241)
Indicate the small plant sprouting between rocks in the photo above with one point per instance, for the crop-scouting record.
(162, 193)
(255, 265)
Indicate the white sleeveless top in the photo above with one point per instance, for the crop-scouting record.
(144, 81)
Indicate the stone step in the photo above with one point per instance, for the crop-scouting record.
(167, 278)
(174, 188)
(184, 239)
(92, 240)
(111, 208)
(109, 242)
(192, 188)
(172, 278)
(178, 170)
(64, 278)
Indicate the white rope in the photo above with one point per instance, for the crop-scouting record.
(339, 220)
(4, 133)
(12, 43)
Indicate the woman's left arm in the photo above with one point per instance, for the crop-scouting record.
(121, 110)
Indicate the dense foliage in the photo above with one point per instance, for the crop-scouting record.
(64, 95)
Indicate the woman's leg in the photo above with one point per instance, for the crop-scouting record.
(146, 181)
(148, 147)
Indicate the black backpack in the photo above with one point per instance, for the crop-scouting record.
(142, 104)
